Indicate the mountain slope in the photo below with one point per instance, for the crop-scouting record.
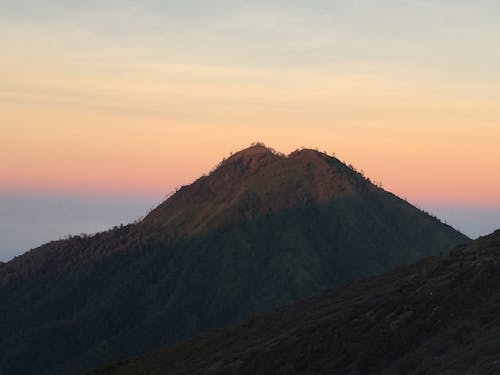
(439, 316)
(262, 230)
(255, 182)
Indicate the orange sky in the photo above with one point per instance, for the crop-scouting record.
(91, 104)
(73, 150)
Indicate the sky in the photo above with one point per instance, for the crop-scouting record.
(128, 100)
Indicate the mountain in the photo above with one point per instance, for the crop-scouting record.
(439, 316)
(260, 231)
(256, 182)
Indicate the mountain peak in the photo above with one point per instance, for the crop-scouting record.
(252, 157)
(309, 155)
(258, 154)
(255, 182)
(255, 150)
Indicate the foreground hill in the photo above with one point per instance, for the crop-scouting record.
(262, 230)
(439, 316)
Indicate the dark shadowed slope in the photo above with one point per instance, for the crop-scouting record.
(262, 230)
(439, 316)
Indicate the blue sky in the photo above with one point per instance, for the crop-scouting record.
(446, 35)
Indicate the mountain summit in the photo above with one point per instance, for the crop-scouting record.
(255, 182)
(261, 230)
(252, 156)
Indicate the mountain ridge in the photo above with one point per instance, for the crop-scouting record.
(436, 316)
(246, 162)
(260, 231)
